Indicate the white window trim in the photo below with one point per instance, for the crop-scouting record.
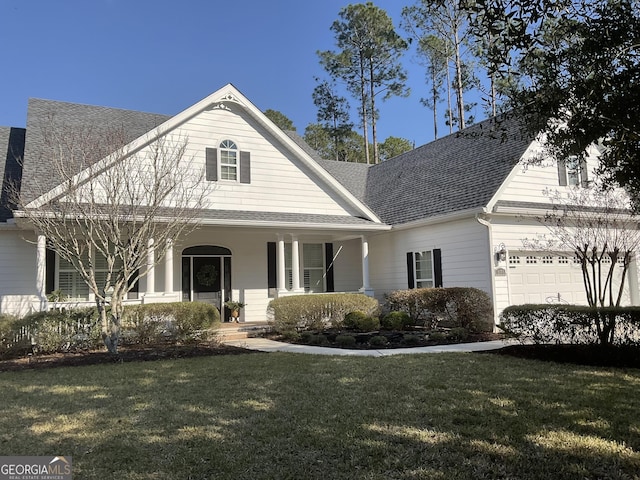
(418, 280)
(221, 163)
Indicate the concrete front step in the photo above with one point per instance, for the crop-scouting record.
(238, 331)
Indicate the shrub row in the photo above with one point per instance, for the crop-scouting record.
(468, 308)
(290, 315)
(80, 329)
(571, 324)
(157, 322)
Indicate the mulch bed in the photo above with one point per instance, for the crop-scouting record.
(619, 356)
(133, 353)
(394, 339)
(593, 355)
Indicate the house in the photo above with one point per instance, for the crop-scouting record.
(283, 221)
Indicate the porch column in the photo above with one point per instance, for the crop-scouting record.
(632, 275)
(151, 280)
(41, 267)
(168, 267)
(295, 264)
(281, 265)
(366, 287)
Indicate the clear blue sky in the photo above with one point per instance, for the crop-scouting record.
(162, 56)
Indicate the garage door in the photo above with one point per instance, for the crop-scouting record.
(539, 277)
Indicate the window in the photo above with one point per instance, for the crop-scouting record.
(312, 264)
(573, 171)
(424, 269)
(70, 282)
(228, 160)
(313, 261)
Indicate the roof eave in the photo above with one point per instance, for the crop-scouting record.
(446, 217)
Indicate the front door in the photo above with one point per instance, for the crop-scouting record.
(206, 276)
(207, 280)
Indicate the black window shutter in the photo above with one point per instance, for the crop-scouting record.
(562, 173)
(437, 267)
(50, 262)
(411, 281)
(245, 167)
(212, 164)
(328, 261)
(584, 173)
(272, 276)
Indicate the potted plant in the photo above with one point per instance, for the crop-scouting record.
(234, 307)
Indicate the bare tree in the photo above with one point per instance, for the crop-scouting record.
(114, 203)
(597, 225)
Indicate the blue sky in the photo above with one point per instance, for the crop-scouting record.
(163, 56)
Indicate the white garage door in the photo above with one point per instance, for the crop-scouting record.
(539, 277)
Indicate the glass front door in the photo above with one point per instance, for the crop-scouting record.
(206, 279)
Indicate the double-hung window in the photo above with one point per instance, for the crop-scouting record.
(424, 269)
(228, 160)
(572, 171)
(312, 265)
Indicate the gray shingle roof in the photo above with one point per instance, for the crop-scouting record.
(11, 154)
(74, 123)
(284, 217)
(454, 173)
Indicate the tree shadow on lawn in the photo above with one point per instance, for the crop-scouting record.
(301, 416)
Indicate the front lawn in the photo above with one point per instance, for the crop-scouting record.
(288, 416)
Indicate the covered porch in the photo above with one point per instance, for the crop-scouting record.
(217, 263)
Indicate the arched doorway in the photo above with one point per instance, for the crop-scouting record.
(206, 275)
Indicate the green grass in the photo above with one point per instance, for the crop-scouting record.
(287, 416)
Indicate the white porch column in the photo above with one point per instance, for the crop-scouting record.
(41, 267)
(632, 274)
(366, 287)
(168, 267)
(281, 265)
(295, 264)
(151, 280)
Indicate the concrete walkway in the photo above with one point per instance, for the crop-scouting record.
(265, 345)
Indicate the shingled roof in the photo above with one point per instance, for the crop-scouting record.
(455, 173)
(72, 121)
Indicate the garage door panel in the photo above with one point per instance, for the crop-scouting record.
(536, 277)
(532, 279)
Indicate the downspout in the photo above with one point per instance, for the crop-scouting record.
(487, 224)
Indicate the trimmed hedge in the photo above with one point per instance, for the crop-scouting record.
(396, 321)
(361, 322)
(79, 329)
(50, 332)
(572, 324)
(178, 321)
(317, 312)
(468, 308)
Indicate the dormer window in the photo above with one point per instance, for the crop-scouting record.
(228, 160)
(573, 172)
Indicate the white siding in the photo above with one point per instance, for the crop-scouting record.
(18, 273)
(527, 182)
(280, 182)
(465, 255)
